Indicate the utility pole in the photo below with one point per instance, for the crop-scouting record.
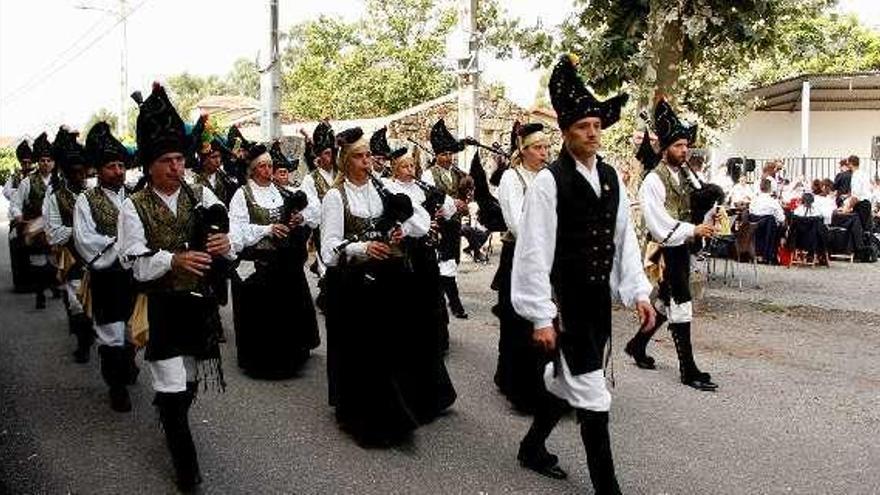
(468, 75)
(270, 82)
(122, 123)
(122, 14)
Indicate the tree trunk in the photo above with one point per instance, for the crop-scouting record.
(668, 46)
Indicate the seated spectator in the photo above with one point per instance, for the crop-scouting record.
(741, 193)
(808, 232)
(807, 207)
(792, 190)
(823, 202)
(841, 184)
(766, 205)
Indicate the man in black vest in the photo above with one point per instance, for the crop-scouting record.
(576, 250)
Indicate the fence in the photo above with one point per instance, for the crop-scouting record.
(812, 167)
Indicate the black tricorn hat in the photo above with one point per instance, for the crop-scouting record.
(572, 101)
(646, 154)
(442, 141)
(42, 147)
(102, 147)
(279, 160)
(255, 150)
(323, 138)
(349, 136)
(160, 129)
(23, 151)
(669, 127)
(66, 150)
(233, 134)
(379, 146)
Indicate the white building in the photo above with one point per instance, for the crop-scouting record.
(841, 118)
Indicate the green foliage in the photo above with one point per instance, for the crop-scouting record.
(820, 44)
(8, 163)
(101, 115)
(187, 89)
(699, 53)
(390, 60)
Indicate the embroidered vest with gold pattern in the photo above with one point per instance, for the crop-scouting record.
(33, 205)
(321, 185)
(678, 196)
(167, 231)
(261, 216)
(104, 212)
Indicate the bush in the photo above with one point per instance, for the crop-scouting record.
(8, 163)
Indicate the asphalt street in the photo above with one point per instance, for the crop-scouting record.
(798, 409)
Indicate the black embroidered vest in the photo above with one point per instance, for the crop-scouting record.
(583, 260)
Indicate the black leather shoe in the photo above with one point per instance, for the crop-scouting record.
(119, 399)
(81, 356)
(41, 300)
(542, 466)
(700, 384)
(641, 359)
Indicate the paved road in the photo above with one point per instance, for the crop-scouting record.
(798, 411)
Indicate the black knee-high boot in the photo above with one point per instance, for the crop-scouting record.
(597, 443)
(115, 373)
(690, 374)
(450, 288)
(637, 346)
(532, 451)
(130, 364)
(174, 414)
(81, 325)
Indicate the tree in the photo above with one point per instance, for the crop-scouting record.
(698, 53)
(8, 163)
(186, 90)
(390, 60)
(821, 44)
(101, 115)
(244, 79)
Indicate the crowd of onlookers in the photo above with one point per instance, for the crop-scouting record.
(814, 218)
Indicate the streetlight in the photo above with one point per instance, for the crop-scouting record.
(122, 15)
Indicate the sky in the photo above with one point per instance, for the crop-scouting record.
(60, 62)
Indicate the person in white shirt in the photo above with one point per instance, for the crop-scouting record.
(576, 243)
(666, 204)
(272, 234)
(17, 257)
(321, 159)
(26, 214)
(156, 240)
(110, 286)
(58, 210)
(449, 178)
(741, 193)
(519, 373)
(861, 191)
(427, 386)
(366, 269)
(764, 204)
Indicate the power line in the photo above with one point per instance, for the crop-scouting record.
(57, 58)
(41, 79)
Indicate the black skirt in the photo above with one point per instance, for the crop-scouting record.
(425, 381)
(274, 318)
(113, 294)
(519, 374)
(366, 349)
(182, 324)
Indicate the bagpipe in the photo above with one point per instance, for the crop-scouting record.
(293, 203)
(205, 221)
(396, 209)
(489, 212)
